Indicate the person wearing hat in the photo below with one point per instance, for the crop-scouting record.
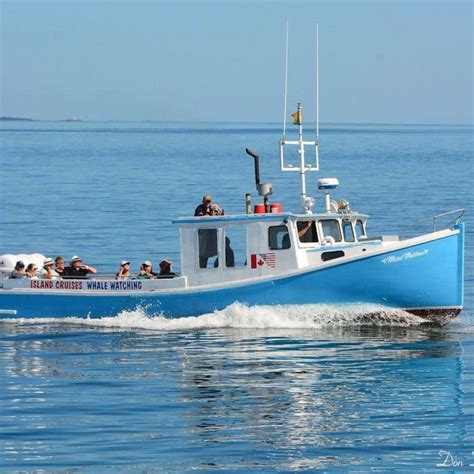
(124, 271)
(19, 271)
(146, 271)
(165, 269)
(207, 208)
(48, 272)
(77, 269)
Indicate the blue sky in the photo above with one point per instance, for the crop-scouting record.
(383, 61)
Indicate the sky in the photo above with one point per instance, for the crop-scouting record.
(380, 61)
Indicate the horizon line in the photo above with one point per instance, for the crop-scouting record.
(24, 119)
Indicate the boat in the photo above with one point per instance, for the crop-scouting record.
(267, 256)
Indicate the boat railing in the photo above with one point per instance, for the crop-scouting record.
(458, 213)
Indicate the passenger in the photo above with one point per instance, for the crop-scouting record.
(48, 272)
(146, 271)
(59, 263)
(229, 255)
(77, 269)
(31, 270)
(207, 208)
(19, 271)
(124, 271)
(307, 231)
(216, 210)
(165, 269)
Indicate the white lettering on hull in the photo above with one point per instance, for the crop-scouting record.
(405, 256)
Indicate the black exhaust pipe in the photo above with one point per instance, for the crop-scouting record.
(257, 165)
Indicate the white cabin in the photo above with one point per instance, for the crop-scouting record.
(241, 247)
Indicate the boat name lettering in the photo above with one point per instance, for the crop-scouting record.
(405, 256)
(114, 285)
(89, 285)
(56, 284)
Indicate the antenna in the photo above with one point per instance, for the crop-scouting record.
(317, 80)
(286, 82)
(307, 202)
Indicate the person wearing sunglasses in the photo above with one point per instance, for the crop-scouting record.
(31, 270)
(124, 271)
(146, 271)
(48, 272)
(207, 208)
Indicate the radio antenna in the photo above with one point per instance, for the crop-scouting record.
(286, 82)
(304, 165)
(317, 80)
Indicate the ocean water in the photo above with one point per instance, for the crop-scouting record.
(244, 389)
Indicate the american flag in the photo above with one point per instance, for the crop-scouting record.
(268, 258)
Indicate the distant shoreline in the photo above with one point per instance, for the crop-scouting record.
(16, 119)
(26, 119)
(278, 124)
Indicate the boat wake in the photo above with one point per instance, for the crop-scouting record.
(240, 316)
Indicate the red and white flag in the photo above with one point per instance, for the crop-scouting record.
(257, 260)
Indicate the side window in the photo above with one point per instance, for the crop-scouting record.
(307, 231)
(207, 245)
(360, 231)
(348, 232)
(331, 229)
(278, 237)
(235, 249)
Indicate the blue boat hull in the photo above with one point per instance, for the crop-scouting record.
(426, 279)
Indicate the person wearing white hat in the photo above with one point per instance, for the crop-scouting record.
(124, 271)
(77, 269)
(48, 272)
(146, 271)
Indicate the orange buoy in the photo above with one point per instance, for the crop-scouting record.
(259, 209)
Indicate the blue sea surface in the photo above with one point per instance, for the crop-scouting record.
(262, 389)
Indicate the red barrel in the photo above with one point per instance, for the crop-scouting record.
(259, 209)
(275, 208)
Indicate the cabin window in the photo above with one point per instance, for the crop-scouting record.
(235, 249)
(207, 244)
(278, 237)
(360, 231)
(307, 232)
(331, 229)
(348, 231)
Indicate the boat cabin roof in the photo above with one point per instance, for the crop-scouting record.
(251, 218)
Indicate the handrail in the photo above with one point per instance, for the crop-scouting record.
(454, 221)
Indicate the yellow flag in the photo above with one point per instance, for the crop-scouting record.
(297, 117)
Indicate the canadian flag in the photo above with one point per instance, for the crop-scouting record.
(257, 260)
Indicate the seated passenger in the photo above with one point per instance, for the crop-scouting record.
(216, 210)
(146, 271)
(19, 271)
(31, 270)
(77, 269)
(48, 272)
(207, 208)
(165, 269)
(59, 264)
(124, 271)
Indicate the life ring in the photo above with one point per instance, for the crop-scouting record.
(329, 240)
